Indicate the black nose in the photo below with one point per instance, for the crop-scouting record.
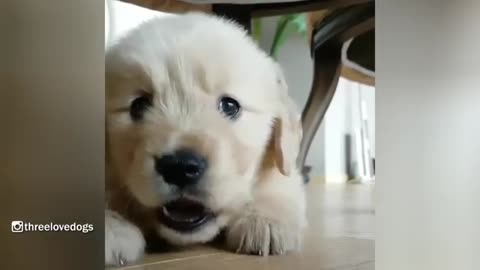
(181, 168)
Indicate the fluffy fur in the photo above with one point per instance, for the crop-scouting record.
(186, 63)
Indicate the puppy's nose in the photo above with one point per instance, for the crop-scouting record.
(181, 168)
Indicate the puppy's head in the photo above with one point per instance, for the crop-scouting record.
(193, 107)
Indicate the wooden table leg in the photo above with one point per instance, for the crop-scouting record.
(327, 66)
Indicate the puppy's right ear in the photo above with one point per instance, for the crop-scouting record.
(287, 131)
(287, 134)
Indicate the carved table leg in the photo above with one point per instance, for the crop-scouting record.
(327, 66)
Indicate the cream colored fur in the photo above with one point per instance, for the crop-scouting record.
(187, 62)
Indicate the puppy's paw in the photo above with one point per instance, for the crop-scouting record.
(124, 243)
(259, 235)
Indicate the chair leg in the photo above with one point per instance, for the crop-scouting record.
(327, 66)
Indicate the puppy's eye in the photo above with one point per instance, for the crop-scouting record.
(229, 107)
(139, 106)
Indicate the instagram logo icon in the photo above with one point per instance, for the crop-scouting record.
(17, 226)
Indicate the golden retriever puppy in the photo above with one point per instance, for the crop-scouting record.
(202, 137)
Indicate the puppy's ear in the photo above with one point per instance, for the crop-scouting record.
(287, 131)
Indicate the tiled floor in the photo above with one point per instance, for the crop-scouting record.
(340, 237)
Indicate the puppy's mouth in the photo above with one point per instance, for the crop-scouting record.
(184, 215)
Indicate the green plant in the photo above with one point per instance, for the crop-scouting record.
(286, 26)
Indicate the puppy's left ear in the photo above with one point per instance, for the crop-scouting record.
(287, 130)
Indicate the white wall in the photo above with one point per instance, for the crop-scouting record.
(368, 94)
(124, 17)
(337, 125)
